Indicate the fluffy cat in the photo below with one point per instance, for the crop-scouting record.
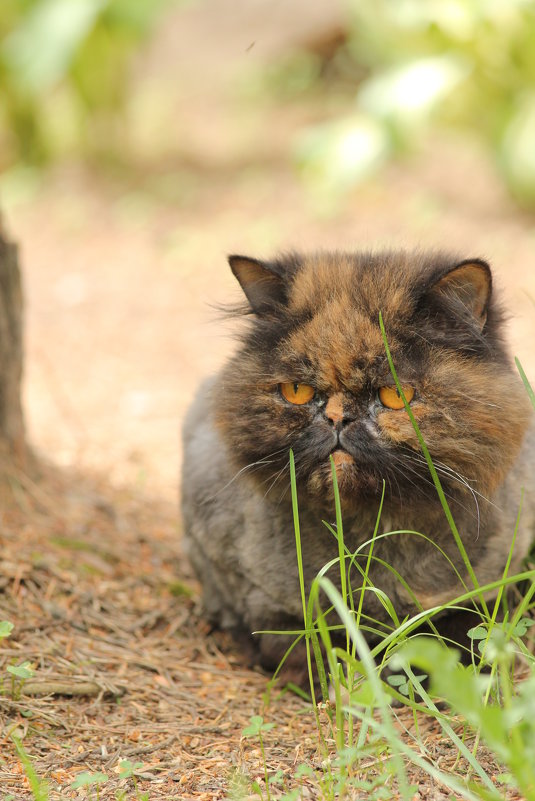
(311, 374)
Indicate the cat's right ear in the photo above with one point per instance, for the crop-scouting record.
(263, 288)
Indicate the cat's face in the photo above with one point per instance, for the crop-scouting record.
(312, 375)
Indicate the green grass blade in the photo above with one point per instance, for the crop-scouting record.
(339, 535)
(38, 786)
(297, 530)
(524, 378)
(306, 616)
(366, 579)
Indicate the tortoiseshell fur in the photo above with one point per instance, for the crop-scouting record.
(315, 320)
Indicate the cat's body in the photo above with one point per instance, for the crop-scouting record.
(312, 375)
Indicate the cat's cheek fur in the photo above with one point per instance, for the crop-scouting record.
(248, 413)
(396, 427)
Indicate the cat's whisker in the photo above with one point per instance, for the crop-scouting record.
(300, 470)
(480, 340)
(473, 492)
(274, 479)
(283, 494)
(405, 468)
(253, 467)
(451, 474)
(474, 399)
(403, 461)
(465, 481)
(287, 486)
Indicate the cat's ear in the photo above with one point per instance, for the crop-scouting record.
(469, 286)
(263, 288)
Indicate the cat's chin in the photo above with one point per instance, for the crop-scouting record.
(354, 484)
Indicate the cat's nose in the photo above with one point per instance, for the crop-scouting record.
(334, 411)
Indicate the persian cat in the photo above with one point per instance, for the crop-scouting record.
(311, 374)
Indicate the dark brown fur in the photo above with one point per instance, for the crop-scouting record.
(315, 320)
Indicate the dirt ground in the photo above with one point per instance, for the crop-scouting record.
(121, 273)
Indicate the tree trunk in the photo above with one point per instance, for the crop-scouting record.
(13, 452)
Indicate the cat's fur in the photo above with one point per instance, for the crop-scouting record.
(315, 320)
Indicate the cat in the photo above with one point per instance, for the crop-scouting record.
(311, 374)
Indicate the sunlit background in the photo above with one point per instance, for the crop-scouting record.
(143, 140)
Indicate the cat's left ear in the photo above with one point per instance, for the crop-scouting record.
(263, 287)
(469, 283)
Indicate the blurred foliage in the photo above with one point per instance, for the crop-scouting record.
(65, 73)
(469, 63)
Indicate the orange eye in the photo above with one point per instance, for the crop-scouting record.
(390, 397)
(297, 393)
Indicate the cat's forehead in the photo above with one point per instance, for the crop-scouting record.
(364, 283)
(337, 301)
(339, 345)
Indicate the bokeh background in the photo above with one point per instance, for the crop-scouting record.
(143, 140)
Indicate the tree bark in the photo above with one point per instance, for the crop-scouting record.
(13, 452)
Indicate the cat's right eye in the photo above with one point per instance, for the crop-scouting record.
(391, 399)
(297, 393)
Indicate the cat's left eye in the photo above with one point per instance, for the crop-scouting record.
(390, 397)
(297, 393)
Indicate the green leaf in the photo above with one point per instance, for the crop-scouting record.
(303, 770)
(427, 653)
(23, 671)
(127, 768)
(411, 90)
(396, 680)
(339, 155)
(86, 779)
(5, 628)
(505, 778)
(522, 626)
(137, 16)
(256, 726)
(277, 778)
(498, 645)
(363, 695)
(478, 633)
(517, 151)
(348, 756)
(293, 795)
(40, 50)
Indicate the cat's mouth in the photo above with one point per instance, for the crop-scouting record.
(353, 479)
(356, 477)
